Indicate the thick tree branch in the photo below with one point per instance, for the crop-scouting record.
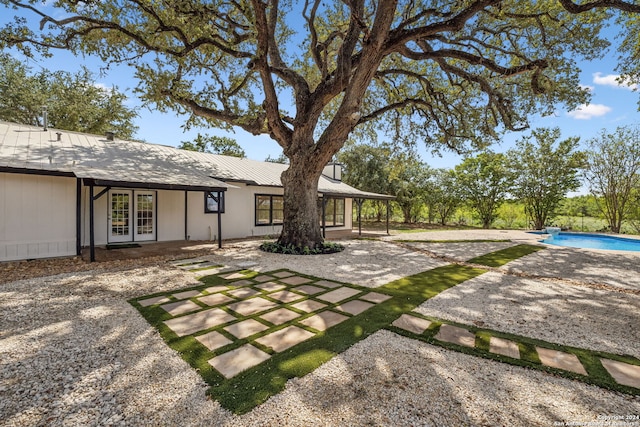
(572, 7)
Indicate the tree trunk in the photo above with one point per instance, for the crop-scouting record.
(301, 227)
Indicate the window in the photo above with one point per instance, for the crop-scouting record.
(211, 202)
(269, 209)
(333, 212)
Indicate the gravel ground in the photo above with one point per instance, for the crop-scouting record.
(74, 352)
(548, 310)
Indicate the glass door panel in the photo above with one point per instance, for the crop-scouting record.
(120, 216)
(145, 226)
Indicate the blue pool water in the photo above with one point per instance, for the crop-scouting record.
(593, 241)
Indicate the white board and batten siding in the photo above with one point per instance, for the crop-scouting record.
(37, 216)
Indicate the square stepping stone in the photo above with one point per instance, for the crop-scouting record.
(309, 289)
(252, 306)
(186, 261)
(456, 335)
(355, 307)
(201, 265)
(154, 300)
(327, 284)
(286, 296)
(308, 305)
(214, 289)
(263, 278)
(280, 316)
(412, 323)
(560, 360)
(243, 292)
(339, 294)
(504, 347)
(215, 299)
(245, 328)
(242, 283)
(186, 294)
(324, 320)
(271, 286)
(282, 274)
(375, 297)
(213, 340)
(180, 307)
(235, 361)
(623, 373)
(296, 280)
(285, 338)
(191, 323)
(232, 276)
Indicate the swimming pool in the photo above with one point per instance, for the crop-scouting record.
(593, 241)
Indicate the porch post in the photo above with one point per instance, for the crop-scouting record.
(78, 216)
(324, 223)
(359, 204)
(219, 219)
(185, 216)
(387, 217)
(92, 242)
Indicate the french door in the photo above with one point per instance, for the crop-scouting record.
(132, 216)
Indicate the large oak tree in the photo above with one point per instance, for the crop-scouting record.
(449, 72)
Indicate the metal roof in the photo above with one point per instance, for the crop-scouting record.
(101, 161)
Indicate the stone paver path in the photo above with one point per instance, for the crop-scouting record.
(625, 374)
(250, 313)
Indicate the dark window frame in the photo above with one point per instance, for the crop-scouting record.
(220, 203)
(271, 216)
(331, 214)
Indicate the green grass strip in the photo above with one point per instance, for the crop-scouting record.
(501, 257)
(252, 387)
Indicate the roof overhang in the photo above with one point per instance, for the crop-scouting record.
(148, 185)
(358, 195)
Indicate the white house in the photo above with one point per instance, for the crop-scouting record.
(61, 191)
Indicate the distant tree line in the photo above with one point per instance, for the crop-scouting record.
(534, 177)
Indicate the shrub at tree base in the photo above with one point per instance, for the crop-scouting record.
(324, 248)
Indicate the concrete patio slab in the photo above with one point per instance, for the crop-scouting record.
(355, 307)
(232, 276)
(283, 274)
(413, 324)
(456, 335)
(339, 294)
(155, 300)
(214, 289)
(180, 307)
(246, 328)
(243, 292)
(623, 373)
(309, 289)
(271, 286)
(252, 306)
(191, 323)
(504, 347)
(215, 299)
(308, 305)
(285, 338)
(233, 362)
(279, 316)
(242, 283)
(213, 340)
(375, 297)
(296, 280)
(327, 284)
(560, 360)
(286, 296)
(263, 278)
(324, 320)
(186, 294)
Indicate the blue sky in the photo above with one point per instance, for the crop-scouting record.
(612, 105)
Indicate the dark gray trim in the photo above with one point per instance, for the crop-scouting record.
(78, 216)
(44, 172)
(354, 195)
(92, 237)
(148, 185)
(255, 209)
(220, 196)
(186, 214)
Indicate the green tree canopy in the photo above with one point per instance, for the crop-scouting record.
(485, 181)
(408, 181)
(613, 172)
(214, 144)
(445, 194)
(74, 101)
(544, 170)
(446, 72)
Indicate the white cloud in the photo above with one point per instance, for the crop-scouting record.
(613, 80)
(587, 112)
